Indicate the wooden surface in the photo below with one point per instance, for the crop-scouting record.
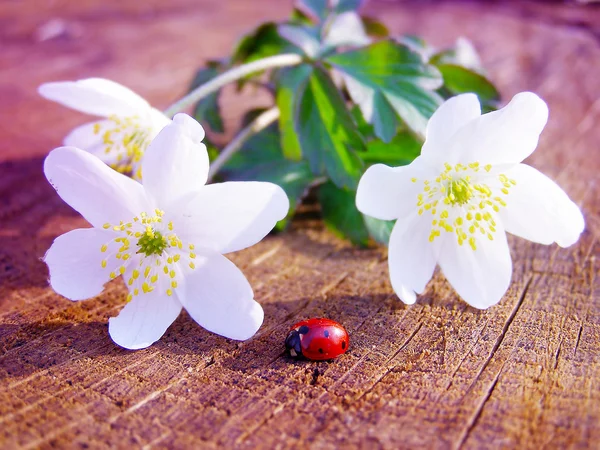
(439, 374)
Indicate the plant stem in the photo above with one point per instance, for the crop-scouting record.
(260, 123)
(287, 59)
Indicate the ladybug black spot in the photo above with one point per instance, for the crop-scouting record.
(343, 344)
(326, 333)
(303, 329)
(320, 350)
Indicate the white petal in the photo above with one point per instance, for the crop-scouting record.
(506, 136)
(144, 320)
(388, 192)
(451, 116)
(74, 262)
(176, 162)
(96, 191)
(83, 137)
(482, 276)
(95, 96)
(539, 210)
(411, 258)
(231, 216)
(217, 296)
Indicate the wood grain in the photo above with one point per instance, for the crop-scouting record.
(439, 374)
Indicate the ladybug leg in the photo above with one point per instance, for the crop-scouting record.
(292, 343)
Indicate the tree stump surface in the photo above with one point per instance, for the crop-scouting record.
(438, 374)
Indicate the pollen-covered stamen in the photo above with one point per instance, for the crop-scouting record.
(462, 206)
(156, 250)
(127, 139)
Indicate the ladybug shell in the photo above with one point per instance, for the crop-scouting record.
(317, 339)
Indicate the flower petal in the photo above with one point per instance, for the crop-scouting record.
(388, 193)
(95, 96)
(75, 263)
(231, 216)
(176, 163)
(481, 277)
(96, 191)
(539, 210)
(411, 258)
(144, 320)
(506, 136)
(217, 296)
(451, 116)
(85, 138)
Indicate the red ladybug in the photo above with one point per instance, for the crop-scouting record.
(317, 339)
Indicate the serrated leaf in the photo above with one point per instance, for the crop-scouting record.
(463, 53)
(207, 110)
(302, 36)
(402, 150)
(397, 73)
(374, 27)
(345, 29)
(317, 8)
(263, 42)
(328, 136)
(289, 82)
(459, 80)
(339, 212)
(340, 6)
(417, 45)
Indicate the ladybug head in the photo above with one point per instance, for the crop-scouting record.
(293, 341)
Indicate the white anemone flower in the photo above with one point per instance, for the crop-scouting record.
(455, 202)
(165, 237)
(128, 126)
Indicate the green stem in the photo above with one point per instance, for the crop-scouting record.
(287, 59)
(260, 123)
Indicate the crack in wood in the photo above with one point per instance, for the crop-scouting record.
(502, 335)
(474, 419)
(390, 359)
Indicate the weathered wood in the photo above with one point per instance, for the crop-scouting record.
(438, 374)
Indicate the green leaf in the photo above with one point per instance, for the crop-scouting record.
(288, 82)
(402, 150)
(380, 230)
(207, 110)
(211, 148)
(390, 71)
(328, 135)
(463, 53)
(304, 37)
(458, 80)
(339, 212)
(347, 5)
(317, 8)
(375, 28)
(263, 42)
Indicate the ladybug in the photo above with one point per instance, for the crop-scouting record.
(317, 339)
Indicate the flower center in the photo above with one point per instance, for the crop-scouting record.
(459, 191)
(158, 254)
(152, 243)
(126, 138)
(460, 205)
